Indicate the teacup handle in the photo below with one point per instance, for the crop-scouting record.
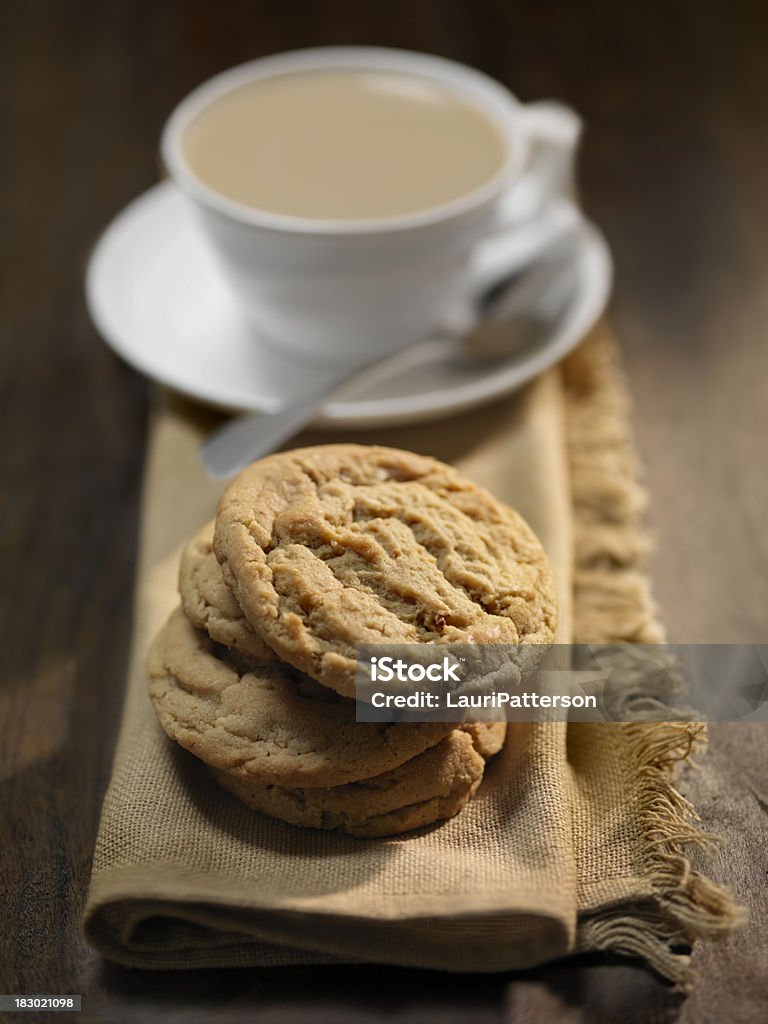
(553, 132)
(539, 206)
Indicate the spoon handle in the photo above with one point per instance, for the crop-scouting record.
(243, 439)
(248, 437)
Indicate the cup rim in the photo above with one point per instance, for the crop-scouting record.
(490, 96)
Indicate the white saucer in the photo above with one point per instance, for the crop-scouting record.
(157, 296)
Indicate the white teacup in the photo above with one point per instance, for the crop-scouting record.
(354, 289)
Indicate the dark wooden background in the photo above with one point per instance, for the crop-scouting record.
(674, 167)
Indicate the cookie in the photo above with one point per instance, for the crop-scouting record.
(261, 723)
(330, 547)
(487, 737)
(432, 787)
(210, 604)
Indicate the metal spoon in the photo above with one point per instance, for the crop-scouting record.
(513, 317)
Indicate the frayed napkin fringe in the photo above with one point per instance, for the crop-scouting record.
(686, 905)
(613, 604)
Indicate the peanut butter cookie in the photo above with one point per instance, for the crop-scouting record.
(260, 722)
(431, 787)
(210, 604)
(487, 737)
(330, 547)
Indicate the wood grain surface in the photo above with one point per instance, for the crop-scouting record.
(675, 98)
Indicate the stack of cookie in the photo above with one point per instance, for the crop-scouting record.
(312, 553)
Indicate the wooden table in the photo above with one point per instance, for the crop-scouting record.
(674, 168)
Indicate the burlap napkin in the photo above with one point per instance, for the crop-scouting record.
(576, 840)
